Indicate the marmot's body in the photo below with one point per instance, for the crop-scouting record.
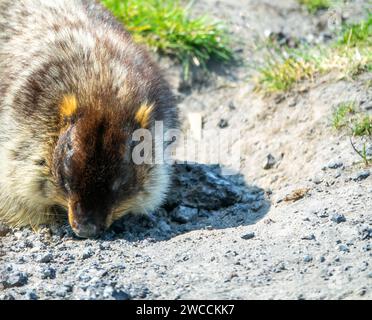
(73, 89)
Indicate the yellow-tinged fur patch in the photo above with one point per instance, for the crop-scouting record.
(68, 106)
(143, 115)
(70, 215)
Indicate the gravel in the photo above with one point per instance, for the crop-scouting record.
(206, 253)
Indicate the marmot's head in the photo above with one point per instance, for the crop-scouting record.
(93, 164)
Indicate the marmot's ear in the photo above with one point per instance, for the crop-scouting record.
(143, 114)
(68, 107)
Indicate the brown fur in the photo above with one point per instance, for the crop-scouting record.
(73, 89)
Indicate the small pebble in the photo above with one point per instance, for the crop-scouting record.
(335, 165)
(362, 175)
(232, 105)
(279, 267)
(270, 162)
(362, 291)
(317, 180)
(292, 102)
(45, 258)
(365, 232)
(31, 295)
(248, 236)
(309, 237)
(279, 98)
(343, 248)
(338, 218)
(337, 175)
(48, 273)
(87, 253)
(15, 279)
(120, 295)
(223, 123)
(63, 291)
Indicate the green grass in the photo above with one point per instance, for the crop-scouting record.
(315, 5)
(352, 53)
(281, 72)
(166, 27)
(357, 34)
(362, 126)
(341, 114)
(356, 123)
(350, 56)
(347, 115)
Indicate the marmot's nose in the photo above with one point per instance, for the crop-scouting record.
(84, 223)
(88, 230)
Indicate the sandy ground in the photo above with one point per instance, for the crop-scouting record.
(299, 230)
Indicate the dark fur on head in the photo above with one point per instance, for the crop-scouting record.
(93, 165)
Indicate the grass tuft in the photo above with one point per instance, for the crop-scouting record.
(315, 5)
(167, 28)
(347, 115)
(351, 55)
(362, 126)
(357, 34)
(359, 124)
(281, 73)
(341, 113)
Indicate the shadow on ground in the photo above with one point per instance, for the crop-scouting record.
(200, 198)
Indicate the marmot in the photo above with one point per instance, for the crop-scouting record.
(73, 89)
